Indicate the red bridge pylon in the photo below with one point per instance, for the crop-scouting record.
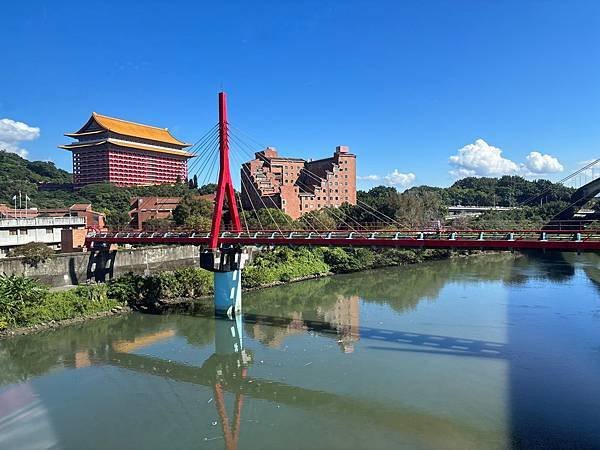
(225, 185)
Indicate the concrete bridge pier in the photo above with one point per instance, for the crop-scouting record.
(226, 263)
(228, 292)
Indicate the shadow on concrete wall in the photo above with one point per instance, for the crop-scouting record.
(101, 265)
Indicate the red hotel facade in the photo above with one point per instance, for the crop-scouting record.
(126, 153)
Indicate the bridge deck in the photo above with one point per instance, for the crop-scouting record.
(587, 240)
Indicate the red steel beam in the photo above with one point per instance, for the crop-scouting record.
(499, 244)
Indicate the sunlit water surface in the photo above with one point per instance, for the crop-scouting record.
(483, 352)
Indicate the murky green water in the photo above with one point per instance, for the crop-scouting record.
(485, 352)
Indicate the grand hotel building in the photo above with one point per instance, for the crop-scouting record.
(126, 153)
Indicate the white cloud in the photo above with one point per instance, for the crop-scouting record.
(369, 177)
(396, 178)
(399, 179)
(481, 159)
(538, 163)
(12, 133)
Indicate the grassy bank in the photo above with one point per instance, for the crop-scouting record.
(24, 302)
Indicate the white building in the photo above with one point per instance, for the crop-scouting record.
(15, 232)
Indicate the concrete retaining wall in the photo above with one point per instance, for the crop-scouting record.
(75, 268)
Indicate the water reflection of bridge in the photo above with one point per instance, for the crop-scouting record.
(229, 371)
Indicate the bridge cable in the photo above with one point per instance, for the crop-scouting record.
(253, 209)
(248, 178)
(207, 143)
(290, 223)
(243, 212)
(265, 207)
(321, 179)
(330, 209)
(239, 141)
(245, 172)
(562, 181)
(193, 150)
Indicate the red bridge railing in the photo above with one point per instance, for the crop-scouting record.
(564, 240)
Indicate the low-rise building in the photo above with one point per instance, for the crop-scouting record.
(143, 209)
(47, 230)
(92, 218)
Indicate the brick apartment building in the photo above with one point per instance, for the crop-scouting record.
(297, 186)
(126, 153)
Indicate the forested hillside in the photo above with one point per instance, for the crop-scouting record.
(418, 206)
(19, 174)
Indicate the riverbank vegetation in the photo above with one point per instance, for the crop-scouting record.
(25, 302)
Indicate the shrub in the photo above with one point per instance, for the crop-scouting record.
(194, 282)
(69, 304)
(32, 253)
(17, 292)
(126, 289)
(283, 264)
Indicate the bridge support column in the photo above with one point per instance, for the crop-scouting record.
(228, 292)
(226, 263)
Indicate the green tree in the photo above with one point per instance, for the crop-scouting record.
(32, 253)
(267, 218)
(117, 220)
(157, 224)
(193, 210)
(209, 188)
(321, 219)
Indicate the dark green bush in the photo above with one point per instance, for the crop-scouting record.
(32, 253)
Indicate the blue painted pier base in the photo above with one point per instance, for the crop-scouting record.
(228, 292)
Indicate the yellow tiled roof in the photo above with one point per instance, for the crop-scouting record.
(136, 145)
(133, 129)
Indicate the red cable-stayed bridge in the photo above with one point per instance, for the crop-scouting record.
(574, 236)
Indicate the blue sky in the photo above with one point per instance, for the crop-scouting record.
(422, 91)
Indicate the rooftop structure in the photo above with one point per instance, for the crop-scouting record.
(297, 186)
(126, 153)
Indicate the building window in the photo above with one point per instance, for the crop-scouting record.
(49, 230)
(23, 231)
(12, 232)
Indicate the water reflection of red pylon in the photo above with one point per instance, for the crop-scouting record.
(230, 434)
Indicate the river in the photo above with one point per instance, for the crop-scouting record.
(481, 352)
